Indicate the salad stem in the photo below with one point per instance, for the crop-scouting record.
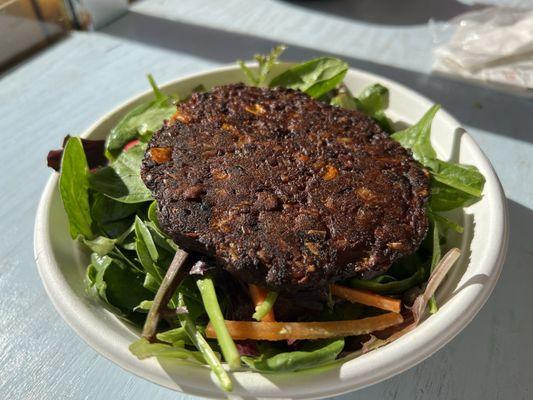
(262, 309)
(212, 307)
(201, 344)
(170, 283)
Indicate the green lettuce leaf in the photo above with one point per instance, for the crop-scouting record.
(142, 120)
(142, 349)
(312, 354)
(121, 179)
(73, 187)
(372, 101)
(116, 283)
(316, 77)
(453, 185)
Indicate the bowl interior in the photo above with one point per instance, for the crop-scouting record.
(62, 265)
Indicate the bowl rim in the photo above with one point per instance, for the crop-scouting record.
(445, 325)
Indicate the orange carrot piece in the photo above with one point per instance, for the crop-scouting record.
(242, 330)
(259, 295)
(367, 298)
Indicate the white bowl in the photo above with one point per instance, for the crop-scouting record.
(62, 263)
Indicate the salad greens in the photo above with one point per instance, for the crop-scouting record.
(141, 121)
(121, 179)
(372, 101)
(113, 214)
(265, 64)
(316, 77)
(73, 186)
(311, 354)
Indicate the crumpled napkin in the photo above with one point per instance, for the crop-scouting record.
(494, 45)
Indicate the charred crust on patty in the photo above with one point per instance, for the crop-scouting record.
(285, 191)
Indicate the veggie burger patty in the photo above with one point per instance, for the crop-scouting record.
(285, 191)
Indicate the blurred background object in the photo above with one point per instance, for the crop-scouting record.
(493, 46)
(27, 26)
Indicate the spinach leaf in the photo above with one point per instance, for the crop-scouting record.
(345, 99)
(454, 185)
(464, 178)
(100, 245)
(105, 209)
(418, 138)
(73, 187)
(116, 283)
(147, 251)
(143, 120)
(445, 198)
(372, 101)
(121, 180)
(162, 239)
(374, 98)
(316, 77)
(173, 335)
(312, 354)
(266, 62)
(142, 349)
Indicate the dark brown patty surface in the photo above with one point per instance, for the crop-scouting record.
(285, 191)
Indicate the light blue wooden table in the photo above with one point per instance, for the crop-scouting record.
(67, 87)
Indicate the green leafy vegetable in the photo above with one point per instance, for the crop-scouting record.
(446, 198)
(201, 344)
(227, 345)
(116, 283)
(173, 335)
(121, 180)
(143, 120)
(345, 99)
(372, 101)
(374, 98)
(73, 187)
(100, 245)
(147, 251)
(142, 349)
(383, 285)
(418, 138)
(105, 209)
(464, 178)
(316, 77)
(266, 62)
(312, 354)
(264, 308)
(454, 185)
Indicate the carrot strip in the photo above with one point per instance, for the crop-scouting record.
(258, 296)
(242, 330)
(367, 298)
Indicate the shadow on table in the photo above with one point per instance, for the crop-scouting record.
(473, 105)
(389, 12)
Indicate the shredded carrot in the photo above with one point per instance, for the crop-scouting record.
(367, 298)
(242, 330)
(259, 295)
